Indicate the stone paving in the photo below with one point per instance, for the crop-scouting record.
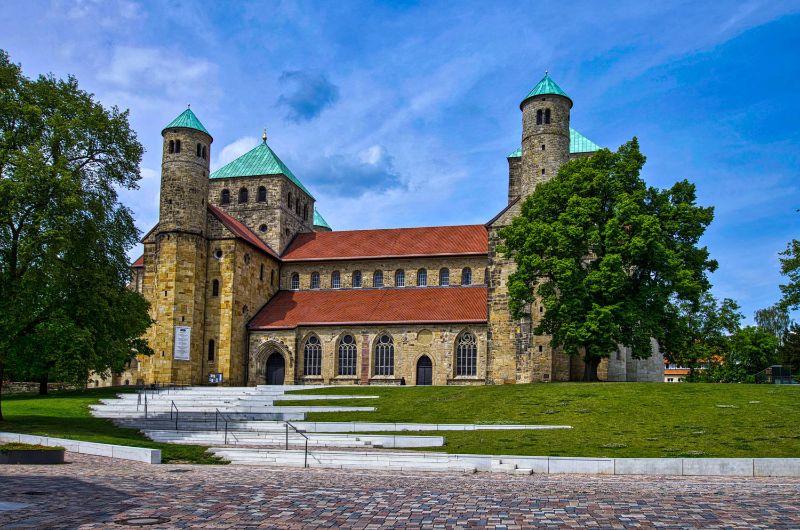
(94, 492)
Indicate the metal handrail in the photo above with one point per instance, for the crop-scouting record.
(219, 414)
(301, 433)
(173, 406)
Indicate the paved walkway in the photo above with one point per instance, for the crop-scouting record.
(93, 492)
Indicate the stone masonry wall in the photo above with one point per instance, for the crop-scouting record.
(545, 147)
(184, 182)
(411, 342)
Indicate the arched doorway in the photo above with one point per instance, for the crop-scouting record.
(424, 371)
(275, 369)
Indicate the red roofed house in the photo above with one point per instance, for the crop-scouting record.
(246, 279)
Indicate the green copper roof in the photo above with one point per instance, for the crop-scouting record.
(319, 220)
(188, 120)
(260, 160)
(578, 143)
(546, 86)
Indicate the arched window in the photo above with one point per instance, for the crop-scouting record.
(539, 117)
(261, 273)
(315, 280)
(199, 150)
(305, 211)
(312, 356)
(225, 197)
(466, 276)
(348, 352)
(177, 146)
(262, 194)
(422, 278)
(444, 277)
(242, 195)
(384, 355)
(205, 153)
(172, 146)
(356, 278)
(547, 115)
(295, 285)
(377, 279)
(211, 350)
(399, 278)
(336, 280)
(289, 200)
(467, 354)
(215, 288)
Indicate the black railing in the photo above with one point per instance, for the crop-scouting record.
(301, 433)
(171, 408)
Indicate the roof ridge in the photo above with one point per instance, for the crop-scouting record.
(396, 228)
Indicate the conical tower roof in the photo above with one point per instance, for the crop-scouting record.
(319, 220)
(187, 120)
(260, 160)
(546, 86)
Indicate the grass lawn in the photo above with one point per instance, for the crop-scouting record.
(66, 415)
(608, 419)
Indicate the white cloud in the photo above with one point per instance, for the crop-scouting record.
(135, 68)
(234, 150)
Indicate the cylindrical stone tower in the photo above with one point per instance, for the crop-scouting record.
(184, 175)
(545, 133)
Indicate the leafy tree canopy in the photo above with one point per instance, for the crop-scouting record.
(774, 319)
(790, 267)
(609, 257)
(64, 307)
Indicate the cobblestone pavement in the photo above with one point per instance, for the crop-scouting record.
(93, 492)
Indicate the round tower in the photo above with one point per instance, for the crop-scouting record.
(184, 175)
(545, 133)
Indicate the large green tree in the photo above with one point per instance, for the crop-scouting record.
(774, 319)
(789, 351)
(790, 267)
(750, 350)
(608, 256)
(64, 306)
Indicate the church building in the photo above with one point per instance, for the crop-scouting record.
(249, 285)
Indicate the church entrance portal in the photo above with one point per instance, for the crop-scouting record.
(424, 371)
(275, 369)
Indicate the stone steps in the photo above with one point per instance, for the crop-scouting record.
(279, 439)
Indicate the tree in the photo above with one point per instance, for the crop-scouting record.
(774, 319)
(790, 267)
(64, 306)
(703, 332)
(608, 256)
(789, 351)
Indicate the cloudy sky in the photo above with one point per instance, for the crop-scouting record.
(402, 113)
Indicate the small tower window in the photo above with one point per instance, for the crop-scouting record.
(172, 146)
(211, 350)
(356, 278)
(444, 277)
(539, 117)
(289, 200)
(205, 153)
(295, 285)
(547, 115)
(542, 147)
(261, 273)
(263, 228)
(177, 146)
(315, 280)
(542, 171)
(215, 288)
(262, 194)
(242, 195)
(199, 150)
(225, 197)
(305, 212)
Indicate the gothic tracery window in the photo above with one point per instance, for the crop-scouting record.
(384, 355)
(467, 355)
(347, 355)
(312, 356)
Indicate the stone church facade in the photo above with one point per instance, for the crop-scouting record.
(249, 285)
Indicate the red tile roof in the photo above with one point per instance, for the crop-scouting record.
(139, 262)
(389, 243)
(241, 231)
(418, 305)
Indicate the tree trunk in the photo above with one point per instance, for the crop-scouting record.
(590, 363)
(43, 385)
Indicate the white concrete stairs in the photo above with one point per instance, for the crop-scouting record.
(279, 439)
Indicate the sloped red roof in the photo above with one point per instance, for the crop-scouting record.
(418, 305)
(241, 231)
(389, 243)
(139, 262)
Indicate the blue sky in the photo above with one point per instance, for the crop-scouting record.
(401, 113)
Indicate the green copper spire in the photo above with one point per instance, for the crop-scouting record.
(260, 160)
(546, 86)
(578, 143)
(188, 120)
(319, 220)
